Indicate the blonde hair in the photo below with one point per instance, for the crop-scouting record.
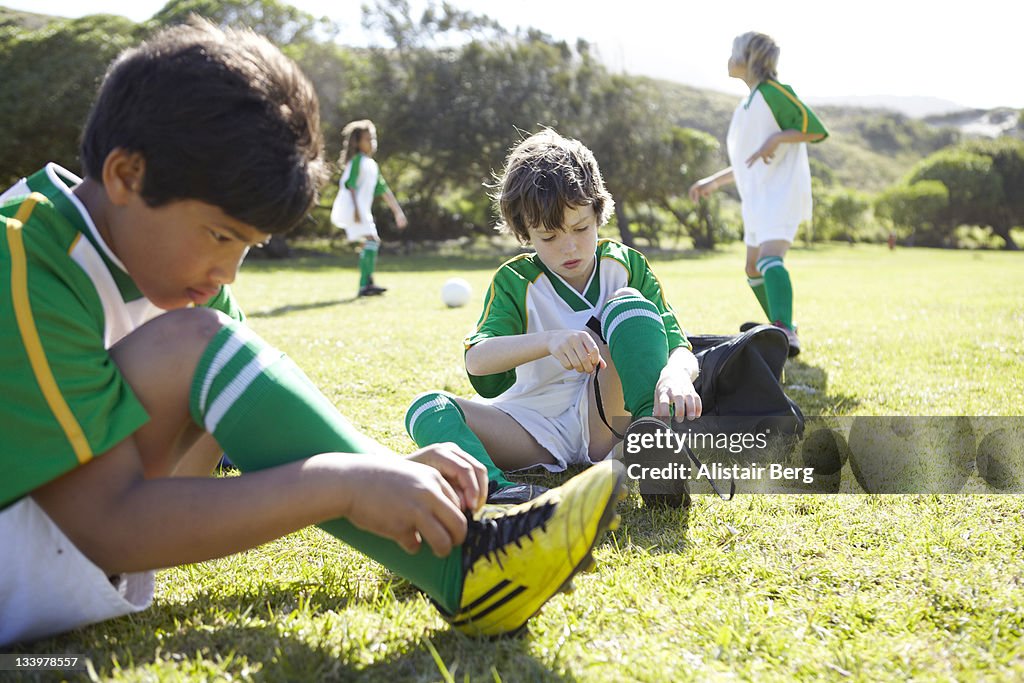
(759, 52)
(351, 134)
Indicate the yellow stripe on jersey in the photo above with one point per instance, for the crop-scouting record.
(798, 103)
(30, 334)
(74, 243)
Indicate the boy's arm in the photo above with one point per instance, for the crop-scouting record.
(574, 349)
(400, 220)
(125, 522)
(767, 150)
(705, 186)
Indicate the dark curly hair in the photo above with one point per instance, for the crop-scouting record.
(221, 116)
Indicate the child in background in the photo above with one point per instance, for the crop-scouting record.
(125, 371)
(768, 157)
(360, 183)
(536, 353)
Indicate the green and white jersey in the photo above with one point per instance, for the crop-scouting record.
(65, 299)
(525, 297)
(362, 177)
(775, 195)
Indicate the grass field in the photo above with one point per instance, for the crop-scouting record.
(848, 587)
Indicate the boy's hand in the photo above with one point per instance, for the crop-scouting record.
(462, 471)
(766, 152)
(701, 189)
(575, 350)
(675, 389)
(401, 221)
(405, 501)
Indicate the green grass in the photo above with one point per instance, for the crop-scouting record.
(797, 587)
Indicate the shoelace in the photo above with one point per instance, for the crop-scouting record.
(492, 535)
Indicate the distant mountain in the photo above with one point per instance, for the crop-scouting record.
(988, 123)
(29, 20)
(916, 107)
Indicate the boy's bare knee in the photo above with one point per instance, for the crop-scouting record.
(188, 327)
(753, 272)
(174, 339)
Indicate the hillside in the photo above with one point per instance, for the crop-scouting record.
(29, 20)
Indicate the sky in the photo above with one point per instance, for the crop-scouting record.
(961, 52)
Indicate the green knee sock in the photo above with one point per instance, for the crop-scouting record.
(367, 262)
(636, 337)
(263, 411)
(779, 289)
(757, 286)
(434, 417)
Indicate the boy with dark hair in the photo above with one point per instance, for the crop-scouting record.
(125, 371)
(536, 354)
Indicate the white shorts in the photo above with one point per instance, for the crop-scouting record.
(565, 436)
(48, 587)
(360, 231)
(343, 216)
(777, 232)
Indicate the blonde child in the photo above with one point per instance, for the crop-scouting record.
(360, 183)
(768, 157)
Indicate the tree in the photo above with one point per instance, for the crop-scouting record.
(917, 208)
(51, 76)
(277, 21)
(985, 181)
(839, 213)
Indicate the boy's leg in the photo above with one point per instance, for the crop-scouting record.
(777, 283)
(265, 412)
(638, 345)
(367, 262)
(756, 281)
(483, 431)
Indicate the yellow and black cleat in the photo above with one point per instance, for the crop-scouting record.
(517, 557)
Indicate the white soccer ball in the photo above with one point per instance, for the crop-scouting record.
(456, 292)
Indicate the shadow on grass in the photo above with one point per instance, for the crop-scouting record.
(808, 386)
(292, 308)
(198, 637)
(394, 263)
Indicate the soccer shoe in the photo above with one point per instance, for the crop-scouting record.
(372, 290)
(749, 325)
(794, 341)
(512, 495)
(516, 558)
(658, 493)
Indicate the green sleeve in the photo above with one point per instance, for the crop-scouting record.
(790, 113)
(504, 315)
(353, 176)
(641, 277)
(381, 187)
(226, 303)
(63, 401)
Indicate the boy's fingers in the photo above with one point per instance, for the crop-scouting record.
(463, 472)
(410, 542)
(436, 536)
(444, 527)
(662, 403)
